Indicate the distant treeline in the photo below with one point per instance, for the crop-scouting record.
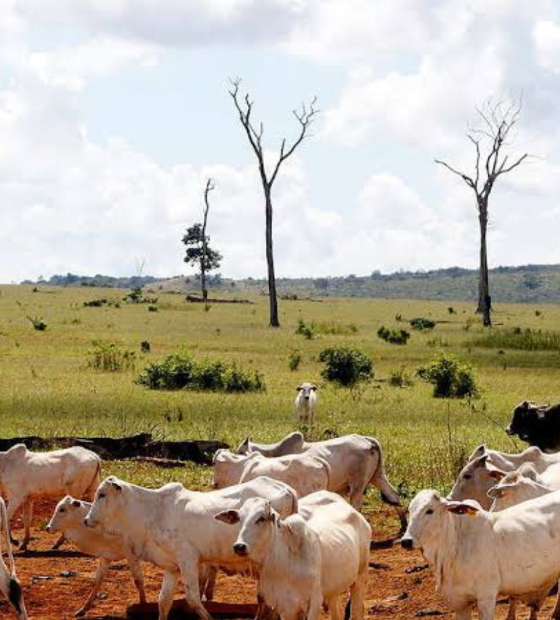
(529, 283)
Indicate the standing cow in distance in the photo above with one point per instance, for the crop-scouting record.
(306, 403)
(538, 425)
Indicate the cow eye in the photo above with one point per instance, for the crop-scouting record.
(62, 510)
(429, 511)
(101, 496)
(260, 520)
(467, 476)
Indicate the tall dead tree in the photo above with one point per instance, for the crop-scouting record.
(203, 263)
(491, 141)
(305, 117)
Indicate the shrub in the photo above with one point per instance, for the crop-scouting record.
(451, 310)
(520, 339)
(306, 329)
(334, 329)
(393, 336)
(422, 323)
(346, 366)
(38, 323)
(294, 359)
(180, 371)
(110, 358)
(450, 377)
(145, 346)
(437, 341)
(95, 303)
(153, 309)
(400, 378)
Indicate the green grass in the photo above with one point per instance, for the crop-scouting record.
(46, 387)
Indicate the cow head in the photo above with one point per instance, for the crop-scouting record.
(474, 481)
(306, 389)
(256, 518)
(68, 512)
(527, 416)
(516, 487)
(428, 513)
(106, 504)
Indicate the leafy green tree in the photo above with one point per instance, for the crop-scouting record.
(197, 242)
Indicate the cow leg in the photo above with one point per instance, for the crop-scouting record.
(556, 612)
(14, 504)
(464, 614)
(138, 577)
(27, 517)
(512, 610)
(100, 575)
(333, 604)
(168, 588)
(486, 608)
(357, 491)
(207, 581)
(189, 575)
(357, 595)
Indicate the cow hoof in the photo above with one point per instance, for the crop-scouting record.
(80, 612)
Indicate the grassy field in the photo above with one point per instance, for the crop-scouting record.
(46, 387)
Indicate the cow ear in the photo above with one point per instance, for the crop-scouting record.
(467, 507)
(481, 461)
(76, 503)
(116, 486)
(495, 473)
(228, 516)
(496, 492)
(527, 470)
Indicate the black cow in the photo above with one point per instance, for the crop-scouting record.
(538, 425)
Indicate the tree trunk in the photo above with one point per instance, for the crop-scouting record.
(484, 299)
(203, 283)
(273, 301)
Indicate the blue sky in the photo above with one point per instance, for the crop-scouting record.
(113, 114)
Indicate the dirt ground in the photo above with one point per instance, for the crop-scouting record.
(55, 584)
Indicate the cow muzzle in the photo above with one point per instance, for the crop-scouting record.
(509, 430)
(407, 543)
(240, 549)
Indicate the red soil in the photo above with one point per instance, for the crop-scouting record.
(55, 587)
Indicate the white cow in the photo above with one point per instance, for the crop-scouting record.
(26, 476)
(291, 444)
(305, 473)
(9, 584)
(308, 558)
(515, 487)
(355, 461)
(68, 519)
(174, 528)
(306, 403)
(478, 555)
(508, 462)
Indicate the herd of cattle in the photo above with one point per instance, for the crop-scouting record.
(277, 513)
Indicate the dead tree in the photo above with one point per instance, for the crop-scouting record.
(490, 140)
(305, 117)
(203, 263)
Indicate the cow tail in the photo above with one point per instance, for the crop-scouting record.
(4, 523)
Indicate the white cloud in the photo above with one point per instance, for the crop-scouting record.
(547, 40)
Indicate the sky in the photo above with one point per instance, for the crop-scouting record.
(113, 113)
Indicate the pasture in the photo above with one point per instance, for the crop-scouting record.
(47, 388)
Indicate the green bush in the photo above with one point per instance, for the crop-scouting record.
(334, 329)
(393, 336)
(346, 366)
(110, 357)
(305, 329)
(294, 359)
(421, 323)
(400, 378)
(519, 339)
(450, 377)
(180, 371)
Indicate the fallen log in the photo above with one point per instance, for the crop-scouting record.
(142, 445)
(180, 610)
(215, 300)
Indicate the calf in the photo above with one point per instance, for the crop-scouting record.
(26, 476)
(306, 403)
(307, 558)
(509, 462)
(173, 528)
(68, 519)
(538, 425)
(9, 584)
(478, 555)
(305, 473)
